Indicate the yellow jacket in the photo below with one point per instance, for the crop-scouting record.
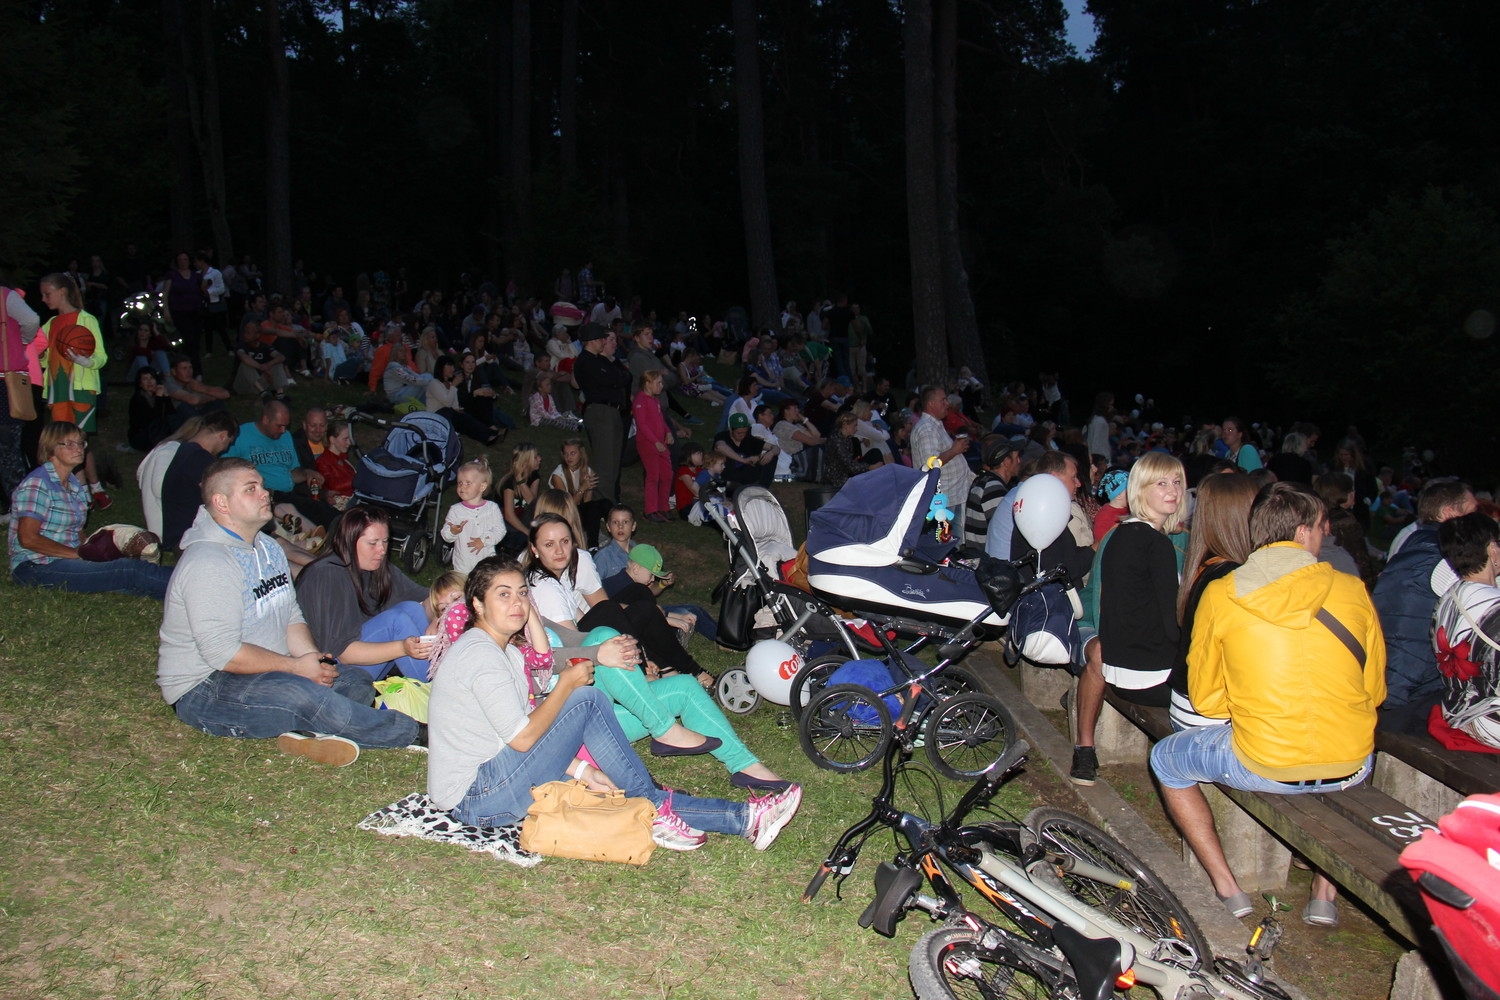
(1300, 705)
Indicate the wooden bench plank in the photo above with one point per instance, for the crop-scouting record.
(1465, 772)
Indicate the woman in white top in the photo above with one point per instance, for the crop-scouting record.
(480, 702)
(575, 478)
(442, 397)
(565, 588)
(1466, 631)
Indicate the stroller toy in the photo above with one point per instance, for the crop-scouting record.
(938, 512)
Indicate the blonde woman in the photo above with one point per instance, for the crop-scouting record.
(516, 494)
(1138, 581)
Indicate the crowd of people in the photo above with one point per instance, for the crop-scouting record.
(1280, 605)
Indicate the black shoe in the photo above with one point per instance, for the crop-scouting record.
(1085, 766)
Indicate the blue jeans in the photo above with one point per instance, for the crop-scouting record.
(402, 393)
(1206, 753)
(392, 625)
(121, 576)
(260, 706)
(706, 626)
(501, 792)
(349, 369)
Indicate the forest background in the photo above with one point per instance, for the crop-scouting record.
(1280, 208)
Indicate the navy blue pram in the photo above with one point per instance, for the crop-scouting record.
(406, 475)
(867, 553)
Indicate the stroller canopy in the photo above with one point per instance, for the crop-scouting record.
(419, 454)
(874, 518)
(766, 523)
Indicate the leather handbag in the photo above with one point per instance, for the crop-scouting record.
(567, 820)
(17, 383)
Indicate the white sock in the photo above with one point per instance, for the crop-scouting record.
(96, 487)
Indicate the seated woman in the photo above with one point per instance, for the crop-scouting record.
(542, 410)
(47, 515)
(842, 456)
(479, 701)
(351, 584)
(148, 350)
(152, 411)
(696, 382)
(409, 617)
(575, 478)
(516, 494)
(334, 464)
(443, 399)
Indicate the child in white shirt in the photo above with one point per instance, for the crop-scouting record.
(473, 524)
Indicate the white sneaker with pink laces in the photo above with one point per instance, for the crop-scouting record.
(672, 831)
(769, 813)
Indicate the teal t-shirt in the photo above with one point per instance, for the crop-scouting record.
(274, 458)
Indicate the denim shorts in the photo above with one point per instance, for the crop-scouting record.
(1206, 753)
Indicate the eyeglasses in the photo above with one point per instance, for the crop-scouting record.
(72, 444)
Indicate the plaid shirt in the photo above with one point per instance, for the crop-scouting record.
(928, 439)
(60, 508)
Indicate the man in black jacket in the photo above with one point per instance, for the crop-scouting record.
(605, 384)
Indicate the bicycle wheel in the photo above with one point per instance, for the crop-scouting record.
(1151, 909)
(845, 728)
(966, 735)
(812, 678)
(951, 963)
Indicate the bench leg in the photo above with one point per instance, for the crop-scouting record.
(1414, 979)
(1117, 740)
(1044, 686)
(1412, 788)
(1259, 861)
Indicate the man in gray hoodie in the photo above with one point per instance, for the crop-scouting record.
(236, 655)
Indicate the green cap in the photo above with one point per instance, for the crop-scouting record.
(649, 557)
(739, 420)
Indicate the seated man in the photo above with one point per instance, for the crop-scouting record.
(401, 381)
(236, 655)
(1002, 461)
(749, 460)
(260, 367)
(1289, 650)
(798, 438)
(265, 443)
(192, 396)
(1406, 594)
(287, 338)
(312, 439)
(182, 486)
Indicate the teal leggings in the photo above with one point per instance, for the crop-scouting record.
(645, 707)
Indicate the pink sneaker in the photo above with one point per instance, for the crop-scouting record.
(769, 813)
(672, 831)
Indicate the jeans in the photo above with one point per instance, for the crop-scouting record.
(121, 576)
(349, 369)
(1207, 754)
(705, 626)
(645, 707)
(501, 792)
(402, 393)
(395, 623)
(260, 706)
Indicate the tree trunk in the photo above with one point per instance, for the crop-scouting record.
(179, 127)
(755, 206)
(520, 139)
(963, 325)
(209, 132)
(567, 90)
(930, 334)
(278, 158)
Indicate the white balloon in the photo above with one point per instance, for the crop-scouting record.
(771, 665)
(1041, 506)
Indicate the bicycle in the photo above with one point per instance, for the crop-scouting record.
(1079, 915)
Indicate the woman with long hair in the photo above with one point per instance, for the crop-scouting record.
(516, 493)
(342, 590)
(443, 399)
(1219, 543)
(1242, 450)
(574, 477)
(480, 702)
(1349, 458)
(72, 380)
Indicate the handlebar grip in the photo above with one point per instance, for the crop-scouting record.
(816, 884)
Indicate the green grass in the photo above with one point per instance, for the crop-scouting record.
(145, 859)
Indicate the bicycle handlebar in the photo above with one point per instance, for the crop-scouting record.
(816, 884)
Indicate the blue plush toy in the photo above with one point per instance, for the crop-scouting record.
(938, 511)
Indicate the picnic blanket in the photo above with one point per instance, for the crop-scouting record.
(416, 816)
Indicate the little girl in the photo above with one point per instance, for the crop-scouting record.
(653, 441)
(685, 485)
(474, 525)
(542, 408)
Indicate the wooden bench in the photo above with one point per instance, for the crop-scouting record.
(1427, 776)
(1354, 836)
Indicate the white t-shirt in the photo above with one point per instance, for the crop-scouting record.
(565, 599)
(150, 473)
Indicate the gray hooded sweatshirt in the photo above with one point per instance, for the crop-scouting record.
(225, 591)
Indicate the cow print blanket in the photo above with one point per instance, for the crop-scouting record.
(416, 816)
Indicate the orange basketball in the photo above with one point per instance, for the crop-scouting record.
(73, 339)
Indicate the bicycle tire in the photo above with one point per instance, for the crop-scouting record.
(967, 735)
(1152, 910)
(812, 678)
(951, 963)
(845, 728)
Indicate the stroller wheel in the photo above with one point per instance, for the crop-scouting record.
(845, 728)
(967, 735)
(736, 693)
(414, 552)
(812, 678)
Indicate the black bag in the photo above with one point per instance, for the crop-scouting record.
(737, 608)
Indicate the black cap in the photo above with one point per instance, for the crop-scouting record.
(996, 453)
(591, 331)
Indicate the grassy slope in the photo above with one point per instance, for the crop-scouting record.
(146, 859)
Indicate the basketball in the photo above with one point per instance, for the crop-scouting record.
(73, 339)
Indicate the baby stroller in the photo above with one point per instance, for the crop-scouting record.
(867, 553)
(406, 476)
(754, 602)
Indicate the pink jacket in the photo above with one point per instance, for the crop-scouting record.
(650, 425)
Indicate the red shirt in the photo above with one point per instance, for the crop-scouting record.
(338, 474)
(1109, 515)
(685, 496)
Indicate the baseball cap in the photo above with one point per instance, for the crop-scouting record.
(738, 420)
(998, 450)
(649, 557)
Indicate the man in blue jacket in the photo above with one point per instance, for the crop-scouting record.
(1406, 596)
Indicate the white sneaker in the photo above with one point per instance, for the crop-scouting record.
(672, 831)
(291, 381)
(769, 813)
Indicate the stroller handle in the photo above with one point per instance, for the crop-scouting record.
(361, 417)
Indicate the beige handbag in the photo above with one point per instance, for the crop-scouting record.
(566, 820)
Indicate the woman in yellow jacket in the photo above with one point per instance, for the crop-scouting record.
(72, 380)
